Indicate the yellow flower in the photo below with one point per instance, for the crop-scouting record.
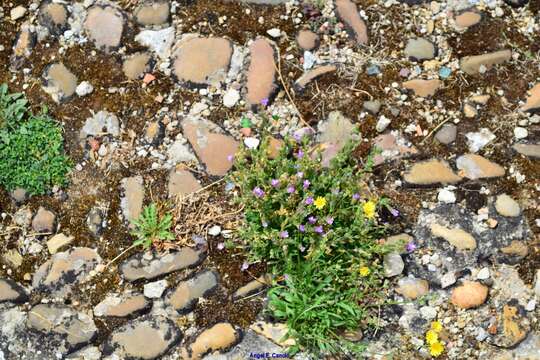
(436, 326)
(364, 271)
(320, 202)
(436, 349)
(369, 209)
(432, 337)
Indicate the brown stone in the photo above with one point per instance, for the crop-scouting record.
(219, 337)
(252, 287)
(518, 248)
(57, 242)
(261, 73)
(182, 183)
(54, 17)
(275, 332)
(471, 64)
(392, 147)
(136, 65)
(533, 99)
(132, 201)
(475, 167)
(60, 82)
(467, 19)
(212, 147)
(431, 172)
(154, 13)
(12, 292)
(412, 288)
(307, 40)
(313, 74)
(44, 221)
(423, 88)
(457, 237)
(26, 40)
(187, 293)
(348, 13)
(530, 150)
(469, 295)
(104, 26)
(515, 326)
(121, 306)
(202, 60)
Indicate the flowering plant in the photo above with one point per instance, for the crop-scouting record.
(318, 225)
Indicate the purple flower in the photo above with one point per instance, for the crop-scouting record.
(319, 229)
(394, 212)
(286, 277)
(306, 184)
(290, 189)
(309, 200)
(264, 102)
(258, 192)
(230, 158)
(274, 182)
(411, 246)
(300, 154)
(329, 220)
(300, 174)
(284, 234)
(220, 246)
(356, 196)
(302, 249)
(264, 224)
(301, 228)
(244, 266)
(312, 219)
(297, 136)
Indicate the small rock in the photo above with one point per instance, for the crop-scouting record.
(448, 279)
(475, 167)
(100, 124)
(274, 32)
(473, 64)
(261, 73)
(307, 40)
(84, 88)
(214, 230)
(122, 306)
(530, 150)
(423, 88)
(60, 82)
(252, 287)
(469, 111)
(506, 206)
(12, 292)
(159, 41)
(219, 337)
(483, 274)
(231, 97)
(188, 292)
(457, 237)
(19, 195)
(17, 12)
(44, 221)
(54, 16)
(467, 19)
(104, 26)
(428, 312)
(412, 288)
(420, 49)
(347, 12)
(303, 81)
(94, 221)
(132, 201)
(446, 196)
(155, 289)
(431, 172)
(58, 241)
(533, 99)
(276, 332)
(520, 133)
(477, 140)
(182, 183)
(136, 65)
(12, 258)
(153, 13)
(382, 123)
(393, 264)
(469, 295)
(512, 325)
(154, 133)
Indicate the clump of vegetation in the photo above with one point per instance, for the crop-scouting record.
(317, 230)
(31, 147)
(151, 228)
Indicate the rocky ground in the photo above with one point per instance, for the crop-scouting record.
(154, 98)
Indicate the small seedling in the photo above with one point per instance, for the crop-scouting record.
(151, 228)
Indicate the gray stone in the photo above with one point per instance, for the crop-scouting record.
(188, 292)
(475, 64)
(123, 305)
(19, 195)
(100, 124)
(219, 337)
(155, 289)
(132, 200)
(94, 221)
(252, 287)
(530, 150)
(393, 264)
(159, 41)
(477, 140)
(44, 221)
(428, 312)
(477, 167)
(104, 26)
(392, 146)
(372, 106)
(151, 266)
(144, 338)
(420, 49)
(250, 341)
(87, 353)
(12, 292)
(446, 134)
(54, 16)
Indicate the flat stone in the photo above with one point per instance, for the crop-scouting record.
(393, 264)
(477, 140)
(44, 221)
(122, 305)
(419, 49)
(307, 39)
(446, 134)
(431, 172)
(506, 206)
(179, 152)
(100, 124)
(84, 88)
(423, 88)
(12, 258)
(475, 167)
(73, 329)
(210, 145)
(142, 266)
(261, 73)
(470, 111)
(467, 19)
(57, 242)
(231, 97)
(273, 331)
(17, 12)
(54, 17)
(158, 41)
(155, 289)
(372, 106)
(471, 64)
(412, 288)
(154, 13)
(65, 269)
(392, 146)
(87, 353)
(469, 295)
(60, 82)
(187, 293)
(144, 338)
(132, 201)
(12, 292)
(202, 61)
(532, 102)
(335, 132)
(347, 12)
(512, 325)
(104, 26)
(303, 81)
(136, 65)
(217, 338)
(457, 237)
(530, 150)
(182, 183)
(516, 248)
(252, 287)
(19, 195)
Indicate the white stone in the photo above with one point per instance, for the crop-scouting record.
(531, 305)
(446, 196)
(231, 97)
(448, 279)
(428, 312)
(274, 32)
(159, 41)
(483, 274)
(17, 12)
(214, 230)
(179, 152)
(251, 142)
(84, 88)
(477, 140)
(520, 132)
(155, 289)
(309, 60)
(382, 123)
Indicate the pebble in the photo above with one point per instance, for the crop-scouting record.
(475, 167)
(506, 206)
(372, 107)
(219, 337)
(307, 40)
(104, 26)
(467, 19)
(446, 196)
(261, 72)
(533, 99)
(472, 64)
(231, 97)
(428, 312)
(309, 76)
(158, 41)
(154, 13)
(412, 288)
(382, 123)
(58, 241)
(274, 32)
(431, 172)
(214, 230)
(12, 292)
(347, 12)
(182, 183)
(54, 16)
(18, 12)
(136, 65)
(100, 124)
(122, 305)
(59, 82)
(530, 150)
(520, 133)
(84, 88)
(448, 279)
(419, 49)
(477, 140)
(132, 201)
(187, 293)
(393, 264)
(155, 289)
(483, 274)
(423, 88)
(457, 237)
(469, 295)
(44, 221)
(446, 134)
